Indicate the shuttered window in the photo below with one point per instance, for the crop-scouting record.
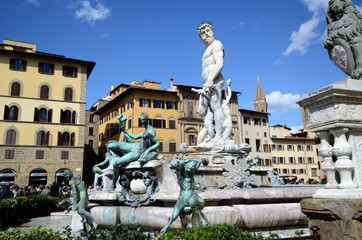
(46, 68)
(68, 94)
(11, 137)
(15, 89)
(44, 92)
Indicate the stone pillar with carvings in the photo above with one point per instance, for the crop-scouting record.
(337, 110)
(325, 151)
(342, 150)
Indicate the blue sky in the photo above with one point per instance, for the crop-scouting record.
(157, 39)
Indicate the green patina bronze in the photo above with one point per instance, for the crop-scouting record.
(187, 199)
(129, 151)
(79, 198)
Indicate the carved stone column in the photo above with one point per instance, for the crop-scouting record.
(342, 150)
(325, 151)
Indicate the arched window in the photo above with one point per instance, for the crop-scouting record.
(68, 94)
(67, 116)
(11, 113)
(11, 137)
(15, 89)
(66, 139)
(42, 138)
(43, 115)
(44, 92)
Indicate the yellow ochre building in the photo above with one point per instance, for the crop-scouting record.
(42, 114)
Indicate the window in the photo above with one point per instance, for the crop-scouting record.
(300, 148)
(310, 160)
(158, 104)
(265, 134)
(15, 89)
(274, 147)
(123, 108)
(264, 122)
(246, 120)
(302, 171)
(11, 113)
(171, 105)
(11, 137)
(145, 102)
(190, 108)
(268, 162)
(68, 94)
(314, 172)
(274, 159)
(42, 138)
(130, 104)
(66, 139)
(171, 124)
(280, 147)
(172, 147)
(44, 92)
(258, 148)
(291, 159)
(9, 154)
(294, 171)
(285, 171)
(91, 131)
(290, 147)
(281, 160)
(247, 141)
(67, 116)
(69, 71)
(90, 143)
(309, 148)
(64, 155)
(159, 123)
(16, 64)
(266, 148)
(43, 115)
(160, 147)
(192, 140)
(39, 154)
(46, 68)
(301, 160)
(91, 118)
(257, 122)
(129, 123)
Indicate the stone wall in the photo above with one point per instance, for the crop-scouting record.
(24, 161)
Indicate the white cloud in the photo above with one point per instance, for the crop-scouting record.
(105, 35)
(296, 129)
(301, 39)
(282, 103)
(35, 2)
(91, 14)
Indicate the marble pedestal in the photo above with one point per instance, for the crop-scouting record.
(336, 117)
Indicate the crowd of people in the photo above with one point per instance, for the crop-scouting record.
(53, 189)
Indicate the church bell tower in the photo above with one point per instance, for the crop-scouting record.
(260, 103)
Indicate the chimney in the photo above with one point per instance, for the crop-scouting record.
(171, 81)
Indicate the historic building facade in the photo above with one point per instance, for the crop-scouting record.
(131, 100)
(42, 114)
(295, 155)
(172, 112)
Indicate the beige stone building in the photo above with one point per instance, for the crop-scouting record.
(42, 114)
(255, 128)
(294, 155)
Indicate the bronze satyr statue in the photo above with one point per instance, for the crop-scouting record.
(80, 198)
(187, 199)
